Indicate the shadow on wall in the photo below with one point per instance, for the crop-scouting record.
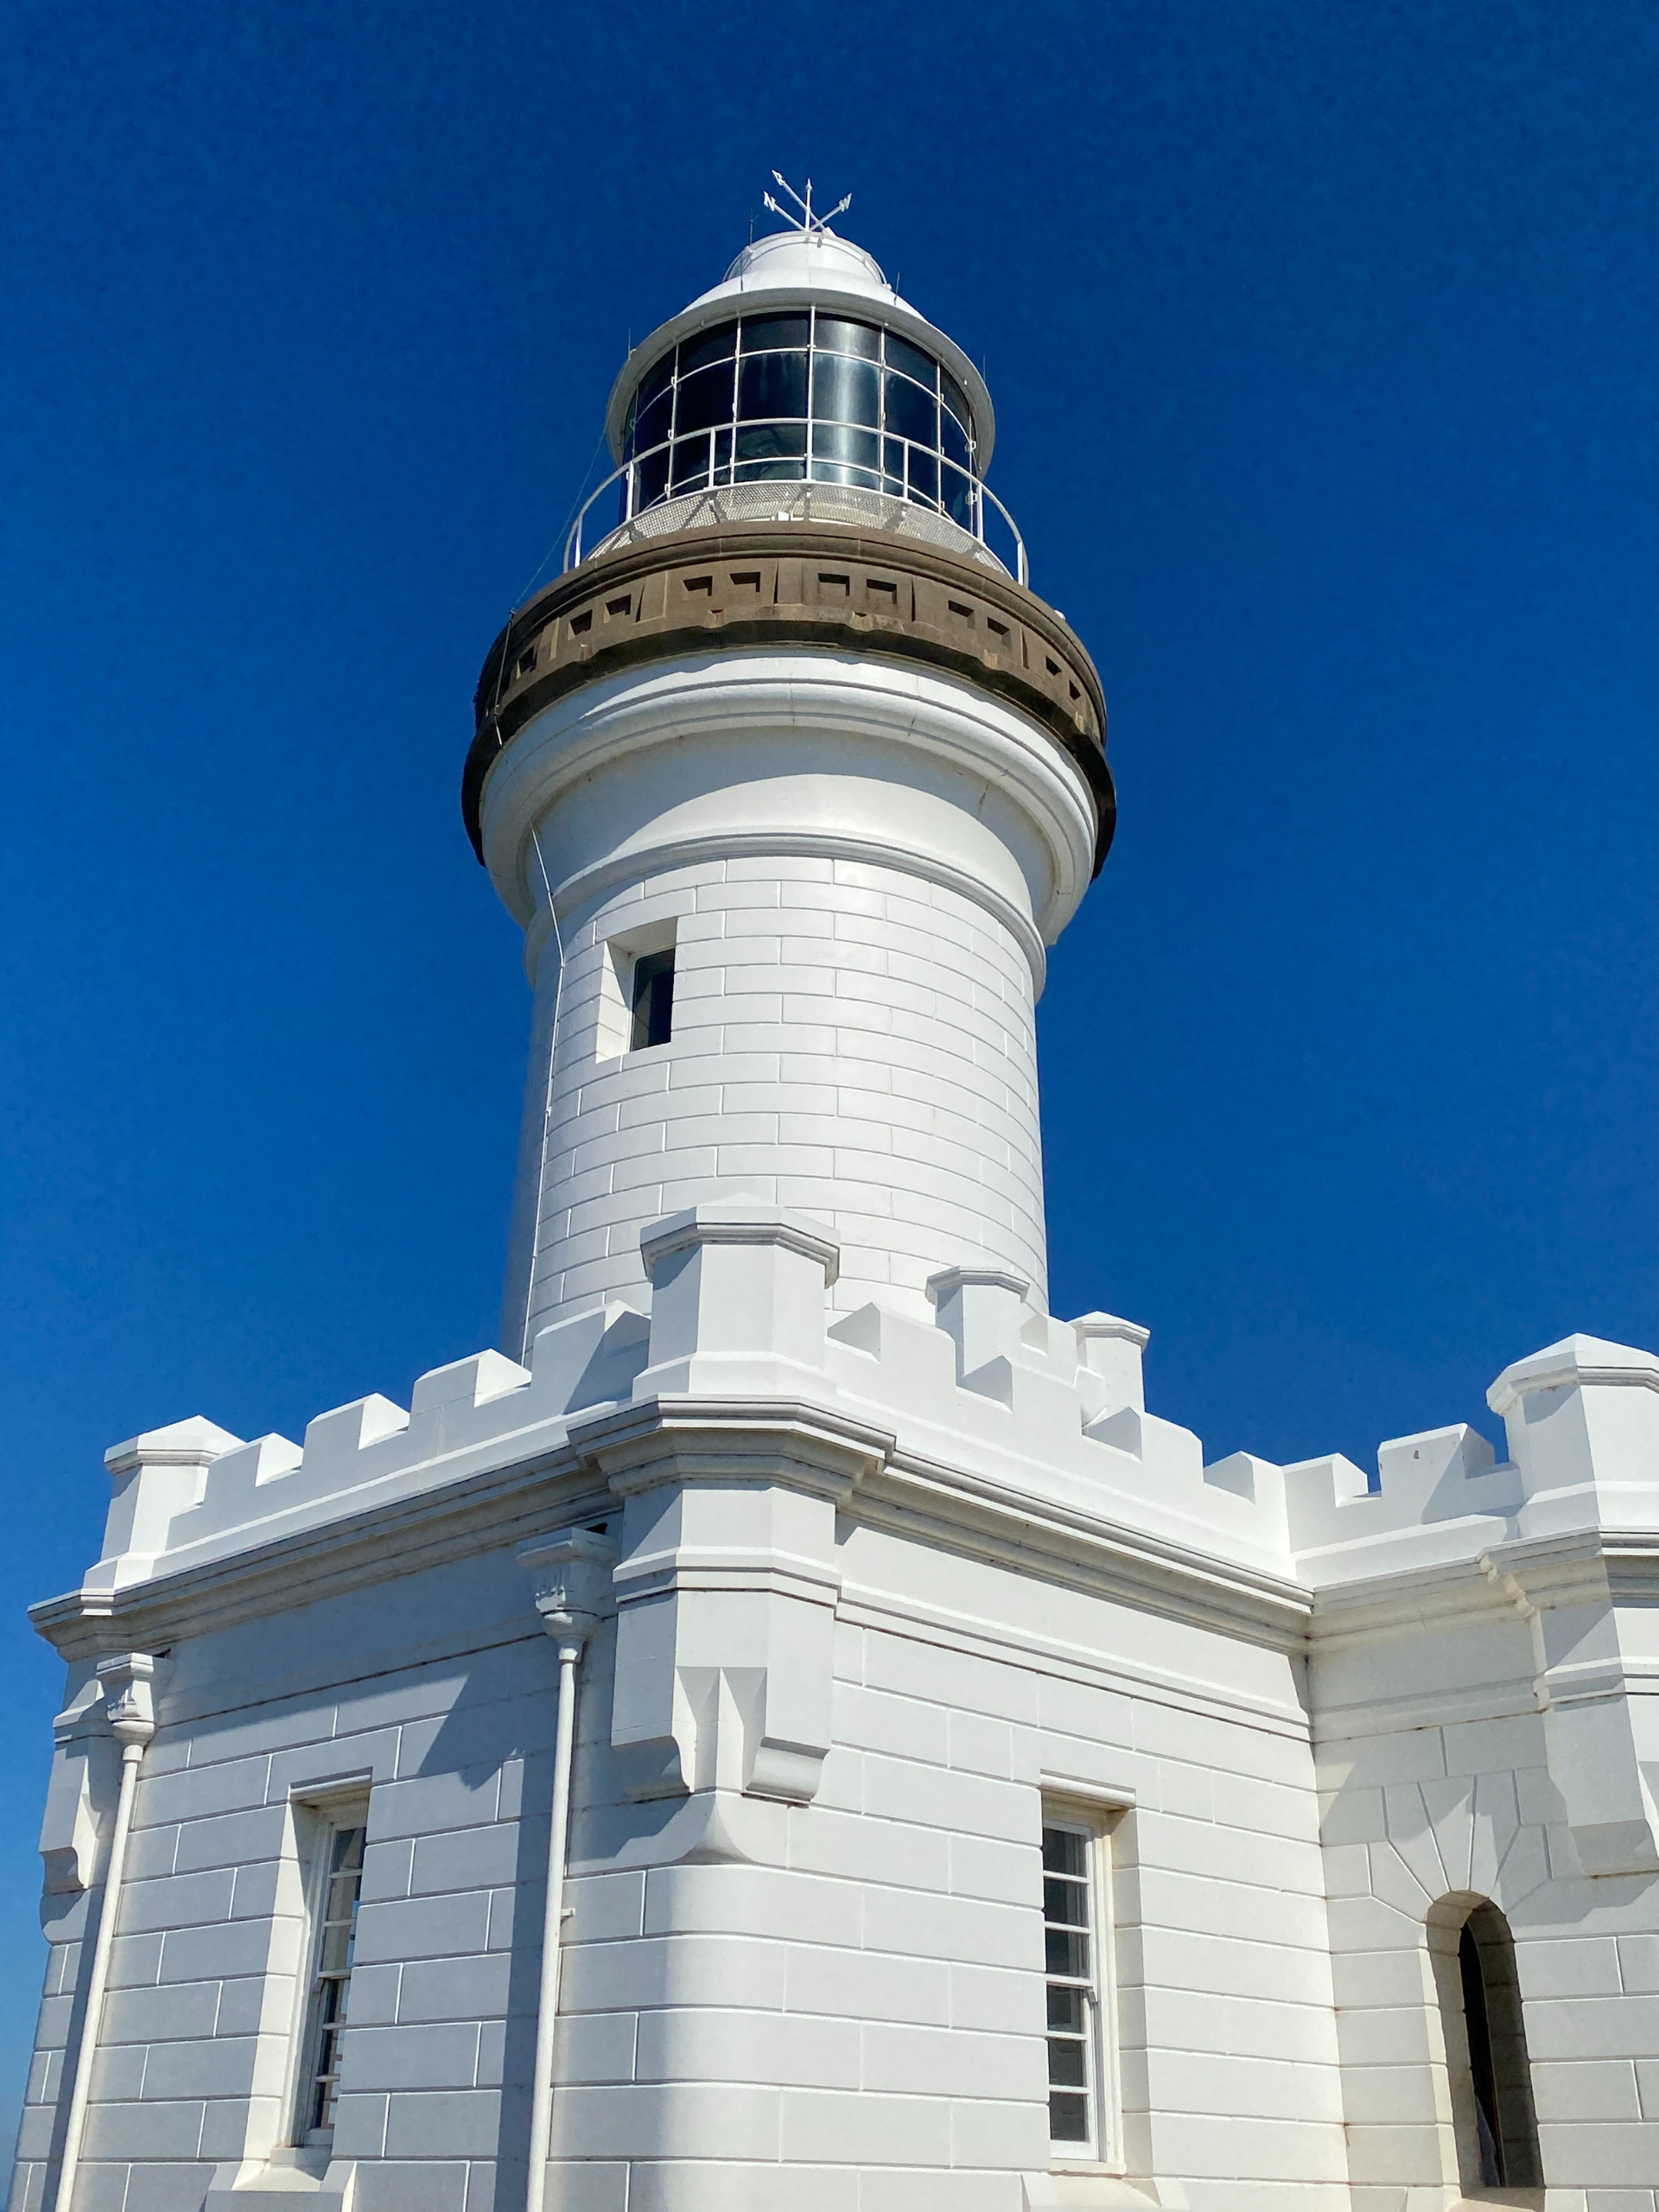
(519, 1763)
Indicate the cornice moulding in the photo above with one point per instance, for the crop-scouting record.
(627, 1446)
(1622, 1563)
(992, 1520)
(469, 1514)
(861, 1466)
(680, 1440)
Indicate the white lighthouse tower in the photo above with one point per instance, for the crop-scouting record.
(790, 782)
(794, 1729)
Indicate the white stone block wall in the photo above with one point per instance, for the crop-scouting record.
(1418, 1808)
(872, 1633)
(866, 2003)
(851, 1988)
(849, 1040)
(194, 2066)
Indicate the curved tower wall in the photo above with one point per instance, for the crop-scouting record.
(857, 865)
(816, 740)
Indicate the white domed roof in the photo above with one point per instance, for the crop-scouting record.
(810, 259)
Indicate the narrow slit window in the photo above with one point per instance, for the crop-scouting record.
(1503, 2151)
(653, 999)
(333, 1945)
(1072, 1926)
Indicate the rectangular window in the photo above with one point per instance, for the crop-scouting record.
(337, 1882)
(653, 999)
(1076, 1938)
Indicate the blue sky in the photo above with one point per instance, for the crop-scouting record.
(1322, 339)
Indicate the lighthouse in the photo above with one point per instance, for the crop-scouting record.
(793, 1726)
(792, 781)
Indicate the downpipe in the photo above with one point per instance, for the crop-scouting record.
(572, 1588)
(127, 1688)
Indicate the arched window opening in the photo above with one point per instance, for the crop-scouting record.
(1498, 2139)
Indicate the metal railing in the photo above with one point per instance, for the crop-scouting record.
(719, 472)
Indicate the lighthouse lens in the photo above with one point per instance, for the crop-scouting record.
(830, 335)
(690, 465)
(788, 396)
(705, 399)
(717, 345)
(838, 442)
(655, 380)
(650, 424)
(650, 481)
(846, 391)
(765, 333)
(901, 355)
(912, 413)
(772, 384)
(768, 452)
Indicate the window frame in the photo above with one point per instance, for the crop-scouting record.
(325, 1819)
(1095, 1821)
(1509, 2108)
(648, 971)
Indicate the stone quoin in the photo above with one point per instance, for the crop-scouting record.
(793, 1729)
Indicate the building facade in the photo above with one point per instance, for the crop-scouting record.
(794, 1729)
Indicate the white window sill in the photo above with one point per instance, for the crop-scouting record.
(293, 2177)
(1081, 2185)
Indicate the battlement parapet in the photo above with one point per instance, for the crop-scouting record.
(1048, 1409)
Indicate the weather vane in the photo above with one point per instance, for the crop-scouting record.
(806, 222)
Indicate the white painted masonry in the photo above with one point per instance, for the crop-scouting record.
(858, 865)
(880, 1563)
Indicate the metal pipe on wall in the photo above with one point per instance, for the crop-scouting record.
(572, 1573)
(547, 2009)
(130, 1706)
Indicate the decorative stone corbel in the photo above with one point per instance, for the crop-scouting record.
(1591, 1721)
(128, 1681)
(82, 1786)
(570, 1582)
(1582, 1420)
(727, 1588)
